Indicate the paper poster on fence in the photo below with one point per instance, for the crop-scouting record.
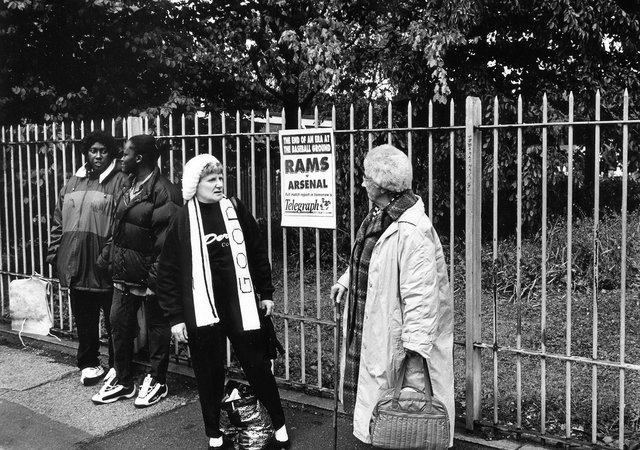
(307, 167)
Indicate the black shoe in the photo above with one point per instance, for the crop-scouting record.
(274, 444)
(227, 444)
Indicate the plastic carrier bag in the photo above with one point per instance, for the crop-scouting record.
(246, 420)
(28, 306)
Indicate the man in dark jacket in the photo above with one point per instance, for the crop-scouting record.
(82, 223)
(141, 220)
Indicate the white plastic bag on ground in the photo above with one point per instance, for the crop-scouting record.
(28, 306)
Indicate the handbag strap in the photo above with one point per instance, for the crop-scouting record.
(428, 386)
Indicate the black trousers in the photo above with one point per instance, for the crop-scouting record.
(86, 306)
(124, 326)
(208, 352)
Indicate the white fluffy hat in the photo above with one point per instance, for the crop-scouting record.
(192, 172)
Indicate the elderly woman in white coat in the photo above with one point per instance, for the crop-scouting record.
(399, 303)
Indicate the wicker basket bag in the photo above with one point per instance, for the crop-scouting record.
(409, 418)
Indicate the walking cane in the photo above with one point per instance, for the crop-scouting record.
(336, 369)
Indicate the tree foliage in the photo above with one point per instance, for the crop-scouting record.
(550, 47)
(272, 52)
(95, 57)
(89, 58)
(288, 53)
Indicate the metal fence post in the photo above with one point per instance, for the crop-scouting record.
(473, 225)
(135, 126)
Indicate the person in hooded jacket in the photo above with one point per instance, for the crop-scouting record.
(214, 276)
(82, 223)
(399, 303)
(141, 220)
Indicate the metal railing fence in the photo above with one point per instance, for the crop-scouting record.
(541, 260)
(549, 316)
(305, 262)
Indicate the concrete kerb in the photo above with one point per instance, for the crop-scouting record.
(296, 399)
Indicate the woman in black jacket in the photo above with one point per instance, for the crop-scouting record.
(212, 268)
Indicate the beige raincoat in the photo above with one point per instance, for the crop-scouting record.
(409, 306)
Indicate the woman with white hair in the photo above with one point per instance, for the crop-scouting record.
(213, 276)
(397, 289)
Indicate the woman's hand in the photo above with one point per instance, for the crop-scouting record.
(337, 292)
(179, 331)
(267, 305)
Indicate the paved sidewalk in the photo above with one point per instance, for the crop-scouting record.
(44, 406)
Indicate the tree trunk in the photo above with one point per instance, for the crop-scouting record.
(291, 114)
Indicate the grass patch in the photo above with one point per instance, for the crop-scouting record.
(520, 317)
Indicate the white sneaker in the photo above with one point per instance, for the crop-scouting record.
(111, 374)
(113, 391)
(91, 375)
(151, 392)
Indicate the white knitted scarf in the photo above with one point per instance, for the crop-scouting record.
(202, 287)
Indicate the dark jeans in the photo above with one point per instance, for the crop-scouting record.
(124, 325)
(208, 353)
(86, 306)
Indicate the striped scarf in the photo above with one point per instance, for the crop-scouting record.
(372, 227)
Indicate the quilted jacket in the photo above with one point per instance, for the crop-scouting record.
(139, 231)
(82, 223)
